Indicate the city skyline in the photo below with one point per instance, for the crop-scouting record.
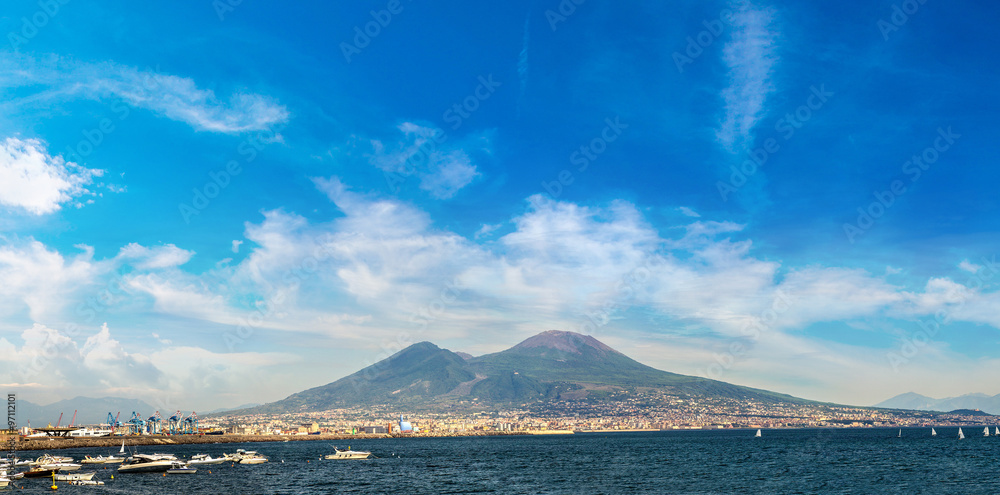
(224, 203)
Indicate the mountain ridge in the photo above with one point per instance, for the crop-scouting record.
(915, 401)
(550, 366)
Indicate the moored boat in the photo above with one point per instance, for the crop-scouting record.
(205, 459)
(181, 468)
(348, 454)
(145, 463)
(75, 476)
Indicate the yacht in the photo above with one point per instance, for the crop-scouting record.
(56, 463)
(75, 476)
(177, 467)
(204, 459)
(146, 463)
(348, 454)
(101, 460)
(250, 457)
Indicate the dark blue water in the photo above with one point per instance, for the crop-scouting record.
(861, 461)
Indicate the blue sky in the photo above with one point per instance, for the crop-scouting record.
(207, 204)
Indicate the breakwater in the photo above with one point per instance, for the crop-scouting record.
(116, 441)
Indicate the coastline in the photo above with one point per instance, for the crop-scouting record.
(116, 441)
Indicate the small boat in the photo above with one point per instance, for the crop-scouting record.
(101, 460)
(996, 432)
(255, 459)
(250, 457)
(35, 472)
(986, 431)
(900, 435)
(87, 482)
(181, 468)
(205, 459)
(146, 463)
(75, 476)
(348, 454)
(960, 434)
(757, 435)
(933, 433)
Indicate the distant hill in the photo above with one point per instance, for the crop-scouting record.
(89, 410)
(910, 400)
(551, 365)
(224, 409)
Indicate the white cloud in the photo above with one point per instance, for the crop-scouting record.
(442, 167)
(688, 212)
(154, 258)
(43, 280)
(36, 182)
(236, 246)
(177, 98)
(969, 267)
(750, 57)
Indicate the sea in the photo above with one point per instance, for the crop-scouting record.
(783, 461)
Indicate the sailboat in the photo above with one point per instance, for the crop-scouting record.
(933, 433)
(986, 431)
(996, 432)
(757, 435)
(900, 435)
(960, 434)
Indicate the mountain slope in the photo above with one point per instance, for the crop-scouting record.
(420, 371)
(551, 365)
(919, 402)
(556, 356)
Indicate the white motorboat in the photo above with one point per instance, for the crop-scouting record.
(146, 463)
(177, 467)
(75, 476)
(60, 466)
(348, 454)
(101, 460)
(205, 459)
(250, 457)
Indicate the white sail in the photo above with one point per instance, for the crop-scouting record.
(960, 434)
(122, 450)
(986, 431)
(758, 433)
(900, 435)
(933, 433)
(996, 432)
